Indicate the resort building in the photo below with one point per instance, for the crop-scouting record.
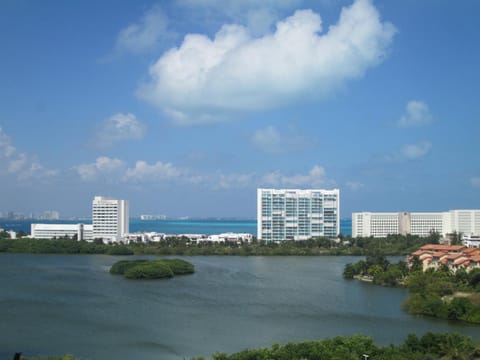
(455, 257)
(110, 219)
(293, 214)
(366, 224)
(72, 231)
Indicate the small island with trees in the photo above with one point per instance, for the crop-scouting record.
(152, 269)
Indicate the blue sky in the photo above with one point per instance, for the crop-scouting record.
(185, 107)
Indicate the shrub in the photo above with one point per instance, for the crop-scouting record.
(120, 267)
(149, 270)
(178, 266)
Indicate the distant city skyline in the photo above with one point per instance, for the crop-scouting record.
(185, 108)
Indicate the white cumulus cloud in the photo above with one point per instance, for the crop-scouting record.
(415, 151)
(235, 71)
(144, 35)
(117, 128)
(416, 114)
(103, 167)
(316, 177)
(155, 172)
(19, 164)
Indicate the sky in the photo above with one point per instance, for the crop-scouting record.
(186, 107)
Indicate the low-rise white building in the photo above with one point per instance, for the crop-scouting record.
(50, 231)
(228, 237)
(471, 241)
(365, 224)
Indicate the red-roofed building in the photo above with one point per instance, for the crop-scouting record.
(455, 257)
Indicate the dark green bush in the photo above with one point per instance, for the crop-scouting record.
(149, 270)
(120, 267)
(179, 266)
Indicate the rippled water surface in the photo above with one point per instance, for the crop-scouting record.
(55, 304)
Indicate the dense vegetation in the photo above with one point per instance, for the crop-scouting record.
(428, 347)
(438, 293)
(379, 270)
(445, 295)
(152, 269)
(64, 357)
(392, 245)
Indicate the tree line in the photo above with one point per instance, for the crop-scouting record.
(427, 347)
(438, 292)
(449, 346)
(391, 245)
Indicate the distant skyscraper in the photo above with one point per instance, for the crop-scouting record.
(110, 218)
(292, 214)
(50, 215)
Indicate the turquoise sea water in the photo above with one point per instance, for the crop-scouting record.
(207, 227)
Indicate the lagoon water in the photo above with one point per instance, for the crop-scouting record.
(57, 304)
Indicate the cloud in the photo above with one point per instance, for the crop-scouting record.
(475, 182)
(270, 140)
(21, 165)
(145, 35)
(237, 72)
(117, 128)
(415, 151)
(156, 172)
(408, 152)
(103, 167)
(354, 185)
(161, 173)
(416, 114)
(227, 181)
(316, 177)
(258, 16)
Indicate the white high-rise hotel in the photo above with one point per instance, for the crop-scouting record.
(367, 224)
(293, 214)
(109, 218)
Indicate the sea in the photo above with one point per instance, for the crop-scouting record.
(200, 226)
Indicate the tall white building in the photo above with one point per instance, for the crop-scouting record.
(110, 219)
(416, 223)
(293, 214)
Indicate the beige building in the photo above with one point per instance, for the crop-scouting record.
(365, 224)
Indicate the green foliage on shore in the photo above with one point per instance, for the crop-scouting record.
(448, 346)
(53, 246)
(379, 270)
(152, 269)
(445, 295)
(437, 293)
(428, 347)
(391, 245)
(64, 357)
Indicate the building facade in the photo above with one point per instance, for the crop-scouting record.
(293, 214)
(110, 219)
(365, 224)
(50, 231)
